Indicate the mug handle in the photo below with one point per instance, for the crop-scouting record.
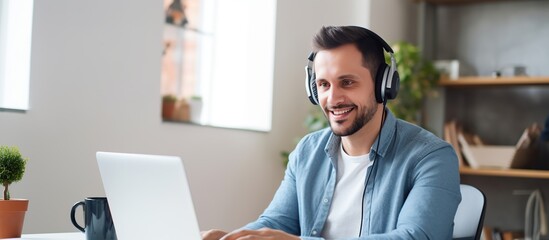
(73, 220)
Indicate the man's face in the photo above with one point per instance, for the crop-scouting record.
(345, 89)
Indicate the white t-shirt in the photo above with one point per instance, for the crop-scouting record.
(345, 212)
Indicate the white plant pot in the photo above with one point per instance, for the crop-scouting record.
(196, 110)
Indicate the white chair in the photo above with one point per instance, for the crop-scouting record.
(469, 217)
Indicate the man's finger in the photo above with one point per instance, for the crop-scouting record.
(213, 234)
(240, 233)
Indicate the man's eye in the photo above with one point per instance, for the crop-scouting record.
(347, 82)
(322, 84)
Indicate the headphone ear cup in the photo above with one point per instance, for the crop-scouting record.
(392, 92)
(310, 77)
(314, 92)
(310, 85)
(379, 82)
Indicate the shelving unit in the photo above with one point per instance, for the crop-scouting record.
(499, 81)
(494, 81)
(443, 2)
(498, 109)
(519, 173)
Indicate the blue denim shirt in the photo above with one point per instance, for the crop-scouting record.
(412, 193)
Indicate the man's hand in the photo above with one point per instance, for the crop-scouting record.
(213, 234)
(264, 233)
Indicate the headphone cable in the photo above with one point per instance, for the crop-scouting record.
(371, 172)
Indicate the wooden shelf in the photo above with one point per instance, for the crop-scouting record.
(491, 81)
(519, 173)
(444, 2)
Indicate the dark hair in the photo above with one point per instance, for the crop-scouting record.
(330, 37)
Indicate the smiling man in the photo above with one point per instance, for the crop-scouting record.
(369, 175)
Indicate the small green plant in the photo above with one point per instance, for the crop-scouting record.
(12, 167)
(418, 77)
(316, 120)
(169, 98)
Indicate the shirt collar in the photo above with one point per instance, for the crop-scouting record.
(387, 134)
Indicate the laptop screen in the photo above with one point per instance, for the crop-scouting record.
(149, 196)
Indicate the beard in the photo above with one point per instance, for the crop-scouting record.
(363, 116)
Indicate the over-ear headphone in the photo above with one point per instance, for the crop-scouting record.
(387, 80)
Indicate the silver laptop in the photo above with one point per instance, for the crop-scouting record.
(148, 196)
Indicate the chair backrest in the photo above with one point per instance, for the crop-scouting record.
(469, 217)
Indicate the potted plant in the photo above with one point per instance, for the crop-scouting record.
(418, 77)
(168, 106)
(12, 211)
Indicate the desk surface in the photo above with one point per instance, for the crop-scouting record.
(52, 236)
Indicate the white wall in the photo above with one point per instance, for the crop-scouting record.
(95, 79)
(394, 20)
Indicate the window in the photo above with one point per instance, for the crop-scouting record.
(15, 51)
(221, 53)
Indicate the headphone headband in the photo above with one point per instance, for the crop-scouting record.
(384, 44)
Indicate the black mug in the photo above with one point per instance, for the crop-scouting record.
(98, 224)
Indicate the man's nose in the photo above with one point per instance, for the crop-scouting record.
(335, 96)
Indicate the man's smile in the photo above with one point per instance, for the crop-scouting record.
(341, 113)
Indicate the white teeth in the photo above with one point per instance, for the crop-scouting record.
(339, 112)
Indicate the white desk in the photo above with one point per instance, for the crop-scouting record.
(52, 236)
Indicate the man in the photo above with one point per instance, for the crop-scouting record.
(370, 175)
